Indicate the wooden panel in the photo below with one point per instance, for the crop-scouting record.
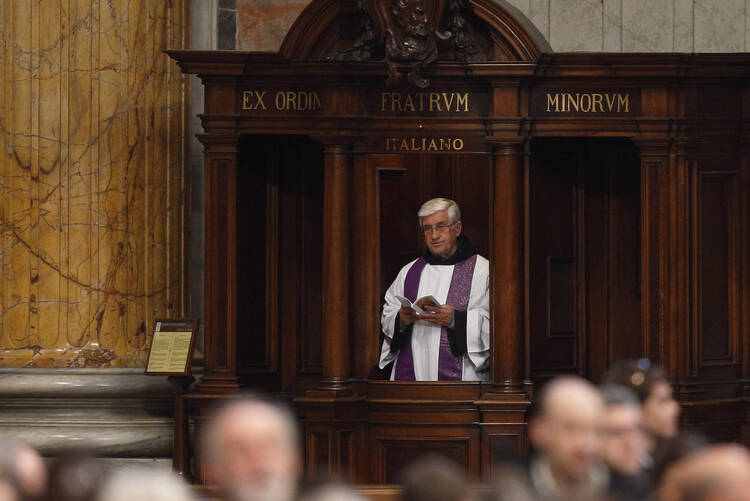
(300, 260)
(552, 229)
(255, 332)
(318, 451)
(585, 249)
(218, 285)
(612, 229)
(623, 256)
(560, 296)
(504, 447)
(717, 212)
(392, 454)
(279, 261)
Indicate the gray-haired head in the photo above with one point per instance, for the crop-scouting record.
(617, 394)
(251, 449)
(436, 205)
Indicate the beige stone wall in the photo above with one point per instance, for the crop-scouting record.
(640, 25)
(91, 179)
(568, 25)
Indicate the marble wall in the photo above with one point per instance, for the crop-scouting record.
(92, 187)
(262, 24)
(640, 25)
(568, 25)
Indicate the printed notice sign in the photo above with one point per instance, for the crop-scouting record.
(171, 347)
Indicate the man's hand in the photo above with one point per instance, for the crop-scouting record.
(407, 315)
(438, 315)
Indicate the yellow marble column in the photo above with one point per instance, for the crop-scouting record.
(92, 183)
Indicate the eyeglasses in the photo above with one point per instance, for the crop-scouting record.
(439, 228)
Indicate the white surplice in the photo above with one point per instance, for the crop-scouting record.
(425, 339)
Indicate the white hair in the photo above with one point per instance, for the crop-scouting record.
(144, 484)
(430, 207)
(210, 446)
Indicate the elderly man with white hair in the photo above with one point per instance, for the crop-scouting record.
(448, 340)
(250, 449)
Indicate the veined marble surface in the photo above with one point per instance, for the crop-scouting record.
(92, 190)
(262, 24)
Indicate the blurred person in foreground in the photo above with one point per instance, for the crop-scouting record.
(332, 491)
(682, 445)
(25, 467)
(564, 432)
(8, 489)
(716, 473)
(250, 449)
(144, 484)
(651, 385)
(75, 478)
(624, 444)
(434, 478)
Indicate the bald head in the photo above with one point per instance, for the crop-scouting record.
(251, 449)
(565, 430)
(718, 473)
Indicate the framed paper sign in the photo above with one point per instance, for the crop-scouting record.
(171, 348)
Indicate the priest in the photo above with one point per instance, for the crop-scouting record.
(448, 341)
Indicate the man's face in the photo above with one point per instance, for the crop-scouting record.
(661, 411)
(623, 442)
(258, 457)
(439, 235)
(567, 432)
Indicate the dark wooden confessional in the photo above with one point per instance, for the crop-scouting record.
(611, 193)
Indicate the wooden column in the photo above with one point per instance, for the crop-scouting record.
(336, 323)
(333, 417)
(509, 250)
(220, 340)
(504, 406)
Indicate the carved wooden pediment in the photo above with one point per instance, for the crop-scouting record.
(410, 35)
(411, 32)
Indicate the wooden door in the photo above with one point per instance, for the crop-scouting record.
(584, 256)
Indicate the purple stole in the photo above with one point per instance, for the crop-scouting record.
(450, 368)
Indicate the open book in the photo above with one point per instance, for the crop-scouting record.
(419, 304)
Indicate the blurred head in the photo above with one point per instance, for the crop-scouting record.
(622, 440)
(677, 448)
(650, 383)
(434, 478)
(25, 466)
(440, 220)
(334, 491)
(251, 449)
(75, 478)
(718, 473)
(144, 484)
(565, 428)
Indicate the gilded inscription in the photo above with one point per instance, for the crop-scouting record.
(283, 100)
(424, 102)
(423, 144)
(588, 102)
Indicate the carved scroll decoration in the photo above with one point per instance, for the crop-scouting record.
(408, 32)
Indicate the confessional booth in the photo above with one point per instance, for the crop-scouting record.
(610, 193)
